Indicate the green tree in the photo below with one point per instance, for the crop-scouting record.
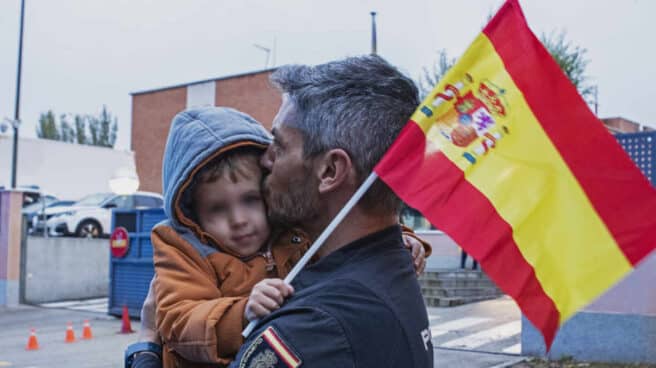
(66, 132)
(80, 129)
(103, 128)
(430, 77)
(47, 127)
(94, 130)
(108, 126)
(571, 59)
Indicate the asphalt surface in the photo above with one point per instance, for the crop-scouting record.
(455, 331)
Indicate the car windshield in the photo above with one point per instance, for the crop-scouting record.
(93, 199)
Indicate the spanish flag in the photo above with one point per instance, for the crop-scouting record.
(506, 157)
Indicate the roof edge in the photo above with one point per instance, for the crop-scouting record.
(203, 81)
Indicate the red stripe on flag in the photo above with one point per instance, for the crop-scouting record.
(437, 188)
(623, 198)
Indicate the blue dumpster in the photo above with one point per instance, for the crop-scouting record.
(130, 275)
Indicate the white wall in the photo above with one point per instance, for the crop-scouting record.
(66, 268)
(67, 170)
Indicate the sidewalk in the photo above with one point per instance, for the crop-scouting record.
(464, 337)
(104, 350)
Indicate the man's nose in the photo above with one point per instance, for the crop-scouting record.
(266, 161)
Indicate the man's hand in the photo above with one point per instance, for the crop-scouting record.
(266, 296)
(418, 253)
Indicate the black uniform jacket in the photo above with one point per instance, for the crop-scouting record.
(359, 306)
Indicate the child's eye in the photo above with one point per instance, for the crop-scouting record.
(253, 199)
(217, 209)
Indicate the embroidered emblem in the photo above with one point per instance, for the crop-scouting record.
(265, 359)
(251, 349)
(471, 115)
(269, 350)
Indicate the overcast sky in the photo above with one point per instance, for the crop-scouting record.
(81, 54)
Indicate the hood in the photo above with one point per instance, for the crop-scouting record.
(195, 136)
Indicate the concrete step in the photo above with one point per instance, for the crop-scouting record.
(461, 292)
(454, 301)
(447, 288)
(453, 274)
(451, 283)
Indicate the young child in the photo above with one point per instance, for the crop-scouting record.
(216, 259)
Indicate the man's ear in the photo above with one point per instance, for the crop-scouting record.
(333, 169)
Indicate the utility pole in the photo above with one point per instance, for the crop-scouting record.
(373, 33)
(16, 122)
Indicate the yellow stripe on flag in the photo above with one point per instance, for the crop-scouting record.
(557, 230)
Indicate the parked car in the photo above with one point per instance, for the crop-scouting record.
(91, 216)
(32, 194)
(36, 210)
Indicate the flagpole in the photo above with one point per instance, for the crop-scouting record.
(322, 238)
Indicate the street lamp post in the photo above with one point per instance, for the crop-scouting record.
(373, 33)
(16, 122)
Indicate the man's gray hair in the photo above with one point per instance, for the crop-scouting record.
(359, 104)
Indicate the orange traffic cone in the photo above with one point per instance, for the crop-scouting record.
(70, 334)
(86, 331)
(127, 327)
(32, 344)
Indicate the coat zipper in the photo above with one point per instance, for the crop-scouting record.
(268, 257)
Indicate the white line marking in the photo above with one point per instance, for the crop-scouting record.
(94, 305)
(95, 301)
(59, 304)
(98, 308)
(486, 336)
(515, 349)
(458, 324)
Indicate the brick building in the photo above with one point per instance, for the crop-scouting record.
(153, 110)
(622, 125)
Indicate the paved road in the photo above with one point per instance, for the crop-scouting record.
(104, 350)
(484, 334)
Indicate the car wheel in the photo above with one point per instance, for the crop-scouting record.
(88, 229)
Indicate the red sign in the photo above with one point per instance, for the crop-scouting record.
(119, 242)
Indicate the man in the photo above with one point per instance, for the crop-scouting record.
(359, 304)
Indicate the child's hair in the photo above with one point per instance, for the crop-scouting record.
(236, 164)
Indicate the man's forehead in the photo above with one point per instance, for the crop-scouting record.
(285, 112)
(282, 123)
(284, 133)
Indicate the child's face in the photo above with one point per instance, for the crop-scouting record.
(233, 213)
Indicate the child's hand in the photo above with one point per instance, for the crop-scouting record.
(418, 253)
(147, 330)
(266, 296)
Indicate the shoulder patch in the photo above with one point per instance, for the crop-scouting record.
(269, 350)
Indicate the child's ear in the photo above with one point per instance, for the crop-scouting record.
(333, 169)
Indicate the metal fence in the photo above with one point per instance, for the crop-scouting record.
(641, 147)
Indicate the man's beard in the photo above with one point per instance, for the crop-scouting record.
(297, 207)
